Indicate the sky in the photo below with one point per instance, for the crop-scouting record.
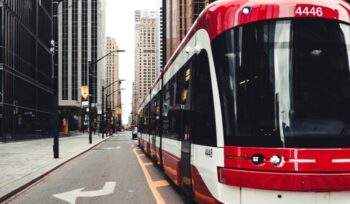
(120, 25)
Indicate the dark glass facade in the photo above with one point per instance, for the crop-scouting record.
(84, 39)
(94, 48)
(78, 45)
(25, 69)
(64, 51)
(75, 38)
(75, 50)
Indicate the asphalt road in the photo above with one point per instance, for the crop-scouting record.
(115, 171)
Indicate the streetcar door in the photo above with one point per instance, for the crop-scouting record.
(186, 154)
(153, 148)
(154, 131)
(185, 99)
(146, 135)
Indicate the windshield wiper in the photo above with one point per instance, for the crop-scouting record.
(344, 130)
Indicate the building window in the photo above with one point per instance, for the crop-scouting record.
(75, 50)
(84, 59)
(65, 51)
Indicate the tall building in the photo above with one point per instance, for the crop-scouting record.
(180, 15)
(25, 69)
(81, 38)
(113, 92)
(146, 52)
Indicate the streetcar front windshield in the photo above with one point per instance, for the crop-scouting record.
(285, 83)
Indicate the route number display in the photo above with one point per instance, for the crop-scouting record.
(309, 11)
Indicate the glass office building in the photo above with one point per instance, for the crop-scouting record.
(25, 69)
(81, 38)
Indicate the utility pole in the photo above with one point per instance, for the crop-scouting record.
(54, 80)
(90, 101)
(103, 113)
(119, 105)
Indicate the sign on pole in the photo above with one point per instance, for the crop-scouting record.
(85, 103)
(119, 111)
(84, 92)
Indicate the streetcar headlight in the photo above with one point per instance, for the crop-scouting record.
(276, 160)
(257, 159)
(246, 10)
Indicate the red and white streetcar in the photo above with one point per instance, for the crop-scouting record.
(254, 106)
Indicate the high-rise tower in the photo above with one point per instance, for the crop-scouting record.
(81, 38)
(146, 52)
(180, 15)
(113, 74)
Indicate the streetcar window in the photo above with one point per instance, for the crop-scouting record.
(285, 83)
(177, 103)
(178, 87)
(141, 124)
(320, 102)
(146, 120)
(172, 118)
(172, 87)
(166, 104)
(186, 76)
(154, 116)
(246, 77)
(203, 118)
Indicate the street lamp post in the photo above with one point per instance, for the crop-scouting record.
(119, 116)
(103, 96)
(54, 80)
(91, 64)
(107, 95)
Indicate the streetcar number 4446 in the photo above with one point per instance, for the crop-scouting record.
(309, 11)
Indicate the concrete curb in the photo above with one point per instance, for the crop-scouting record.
(8, 196)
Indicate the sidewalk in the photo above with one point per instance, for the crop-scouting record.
(23, 162)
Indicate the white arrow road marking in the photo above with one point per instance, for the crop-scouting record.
(71, 196)
(109, 148)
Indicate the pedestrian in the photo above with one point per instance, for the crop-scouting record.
(65, 126)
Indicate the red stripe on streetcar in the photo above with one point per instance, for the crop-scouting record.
(201, 192)
(285, 181)
(172, 167)
(293, 160)
(299, 169)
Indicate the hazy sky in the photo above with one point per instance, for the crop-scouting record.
(120, 25)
